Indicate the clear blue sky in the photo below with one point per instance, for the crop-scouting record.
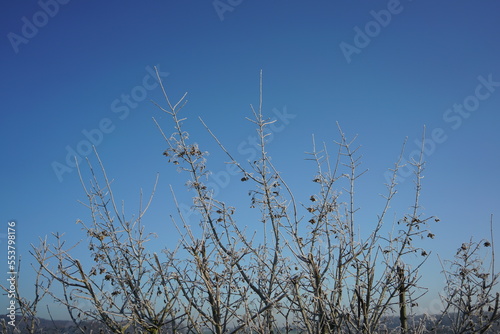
(70, 71)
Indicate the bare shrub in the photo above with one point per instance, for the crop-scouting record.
(305, 267)
(471, 304)
(126, 287)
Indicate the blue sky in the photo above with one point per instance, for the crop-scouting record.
(86, 66)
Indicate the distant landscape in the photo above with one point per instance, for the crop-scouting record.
(68, 327)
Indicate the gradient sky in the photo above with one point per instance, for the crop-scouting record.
(323, 61)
